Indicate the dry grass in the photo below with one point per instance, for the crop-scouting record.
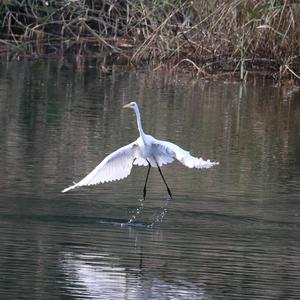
(209, 38)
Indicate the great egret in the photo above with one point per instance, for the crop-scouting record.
(145, 151)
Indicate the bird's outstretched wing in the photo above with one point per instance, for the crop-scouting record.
(115, 166)
(167, 151)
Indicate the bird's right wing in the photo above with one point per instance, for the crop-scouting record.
(115, 166)
(165, 151)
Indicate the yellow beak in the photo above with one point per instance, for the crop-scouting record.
(127, 105)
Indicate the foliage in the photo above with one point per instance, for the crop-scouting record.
(211, 37)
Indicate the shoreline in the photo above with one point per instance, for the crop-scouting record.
(236, 39)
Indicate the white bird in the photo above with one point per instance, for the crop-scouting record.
(145, 151)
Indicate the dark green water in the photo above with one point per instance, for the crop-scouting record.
(232, 232)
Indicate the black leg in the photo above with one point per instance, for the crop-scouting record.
(145, 185)
(162, 176)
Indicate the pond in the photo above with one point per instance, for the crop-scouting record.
(230, 232)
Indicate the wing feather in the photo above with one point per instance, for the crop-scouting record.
(167, 151)
(115, 166)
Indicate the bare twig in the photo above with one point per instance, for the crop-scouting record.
(291, 71)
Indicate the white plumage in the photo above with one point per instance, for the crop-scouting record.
(145, 151)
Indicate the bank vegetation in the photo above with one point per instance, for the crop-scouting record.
(237, 39)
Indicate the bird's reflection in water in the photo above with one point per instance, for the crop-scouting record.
(100, 276)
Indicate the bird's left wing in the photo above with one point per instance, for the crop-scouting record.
(167, 151)
(115, 166)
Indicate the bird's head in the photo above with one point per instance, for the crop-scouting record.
(132, 105)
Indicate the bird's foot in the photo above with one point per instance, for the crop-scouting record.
(170, 194)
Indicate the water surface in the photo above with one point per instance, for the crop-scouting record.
(231, 232)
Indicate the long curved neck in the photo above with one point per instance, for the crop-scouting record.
(139, 123)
